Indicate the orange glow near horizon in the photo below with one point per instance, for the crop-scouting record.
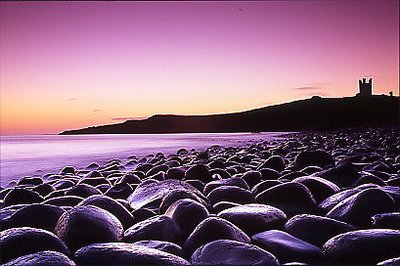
(71, 65)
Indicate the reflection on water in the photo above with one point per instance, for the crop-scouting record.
(40, 154)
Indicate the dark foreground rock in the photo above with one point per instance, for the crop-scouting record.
(86, 225)
(16, 242)
(124, 254)
(230, 252)
(42, 258)
(363, 246)
(286, 247)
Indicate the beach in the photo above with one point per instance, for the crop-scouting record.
(329, 197)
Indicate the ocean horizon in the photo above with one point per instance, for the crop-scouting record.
(37, 155)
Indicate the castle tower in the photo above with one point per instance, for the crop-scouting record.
(365, 87)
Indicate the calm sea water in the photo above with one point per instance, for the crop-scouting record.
(36, 155)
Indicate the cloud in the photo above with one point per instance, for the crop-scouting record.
(96, 110)
(72, 99)
(128, 118)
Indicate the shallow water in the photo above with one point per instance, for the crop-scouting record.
(35, 155)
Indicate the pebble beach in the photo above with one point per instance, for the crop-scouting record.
(310, 198)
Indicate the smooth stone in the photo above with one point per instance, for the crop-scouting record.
(63, 184)
(314, 229)
(30, 181)
(223, 205)
(320, 188)
(196, 184)
(275, 162)
(187, 214)
(131, 179)
(336, 198)
(142, 214)
(210, 229)
(111, 205)
(230, 252)
(21, 196)
(313, 158)
(291, 197)
(359, 208)
(175, 173)
(363, 246)
(343, 175)
(144, 167)
(64, 201)
(150, 192)
(44, 189)
(230, 193)
(84, 225)
(68, 170)
(254, 218)
(160, 227)
(386, 220)
(269, 174)
(42, 258)
(165, 246)
(124, 254)
(369, 179)
(16, 242)
(286, 247)
(176, 195)
(311, 169)
(94, 181)
(82, 190)
(156, 169)
(264, 185)
(199, 172)
(233, 181)
(42, 216)
(252, 178)
(120, 191)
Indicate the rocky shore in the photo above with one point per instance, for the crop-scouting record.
(310, 199)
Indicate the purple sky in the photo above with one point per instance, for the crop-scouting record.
(73, 64)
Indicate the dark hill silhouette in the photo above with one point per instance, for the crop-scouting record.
(310, 114)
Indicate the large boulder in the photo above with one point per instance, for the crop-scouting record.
(111, 205)
(21, 196)
(319, 187)
(363, 246)
(84, 225)
(124, 254)
(292, 198)
(41, 216)
(187, 214)
(42, 258)
(286, 247)
(359, 208)
(230, 252)
(314, 229)
(313, 158)
(254, 218)
(16, 242)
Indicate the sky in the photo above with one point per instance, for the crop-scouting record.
(67, 65)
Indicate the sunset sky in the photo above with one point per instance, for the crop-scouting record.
(71, 65)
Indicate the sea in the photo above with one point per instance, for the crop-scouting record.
(36, 155)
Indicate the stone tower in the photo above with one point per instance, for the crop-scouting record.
(365, 87)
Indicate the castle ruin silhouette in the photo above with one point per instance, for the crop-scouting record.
(365, 87)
